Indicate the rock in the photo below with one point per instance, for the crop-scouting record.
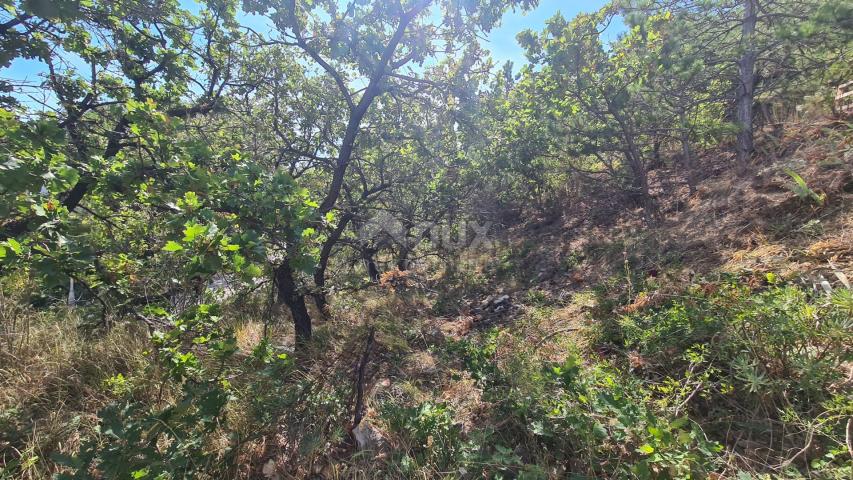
(495, 304)
(420, 364)
(433, 335)
(502, 300)
(268, 470)
(367, 437)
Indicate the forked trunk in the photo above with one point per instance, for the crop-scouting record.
(639, 177)
(323, 262)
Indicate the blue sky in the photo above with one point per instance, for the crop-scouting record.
(502, 43)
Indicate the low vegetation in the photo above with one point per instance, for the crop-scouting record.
(331, 239)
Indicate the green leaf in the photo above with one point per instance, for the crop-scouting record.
(193, 230)
(173, 246)
(254, 270)
(679, 422)
(68, 175)
(14, 245)
(140, 473)
(238, 261)
(647, 449)
(191, 200)
(226, 246)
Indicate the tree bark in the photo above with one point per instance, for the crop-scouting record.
(289, 294)
(370, 264)
(657, 160)
(639, 177)
(403, 259)
(374, 88)
(325, 253)
(746, 85)
(687, 154)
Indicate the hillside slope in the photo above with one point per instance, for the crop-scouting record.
(594, 334)
(709, 340)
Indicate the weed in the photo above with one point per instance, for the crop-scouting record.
(802, 191)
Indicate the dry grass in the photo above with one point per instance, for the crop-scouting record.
(52, 381)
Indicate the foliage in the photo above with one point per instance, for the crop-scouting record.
(173, 442)
(562, 407)
(778, 349)
(802, 190)
(173, 174)
(430, 432)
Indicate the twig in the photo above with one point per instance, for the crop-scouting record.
(358, 414)
(689, 397)
(554, 334)
(805, 449)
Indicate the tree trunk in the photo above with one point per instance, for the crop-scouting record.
(639, 178)
(373, 89)
(657, 160)
(323, 263)
(320, 294)
(639, 175)
(403, 259)
(370, 264)
(289, 294)
(407, 243)
(746, 85)
(357, 113)
(687, 154)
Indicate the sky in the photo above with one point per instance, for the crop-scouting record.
(500, 41)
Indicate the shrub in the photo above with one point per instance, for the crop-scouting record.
(726, 351)
(428, 433)
(590, 419)
(138, 441)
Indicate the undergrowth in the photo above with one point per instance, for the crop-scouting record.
(723, 378)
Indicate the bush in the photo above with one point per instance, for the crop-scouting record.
(587, 419)
(765, 364)
(428, 433)
(138, 441)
